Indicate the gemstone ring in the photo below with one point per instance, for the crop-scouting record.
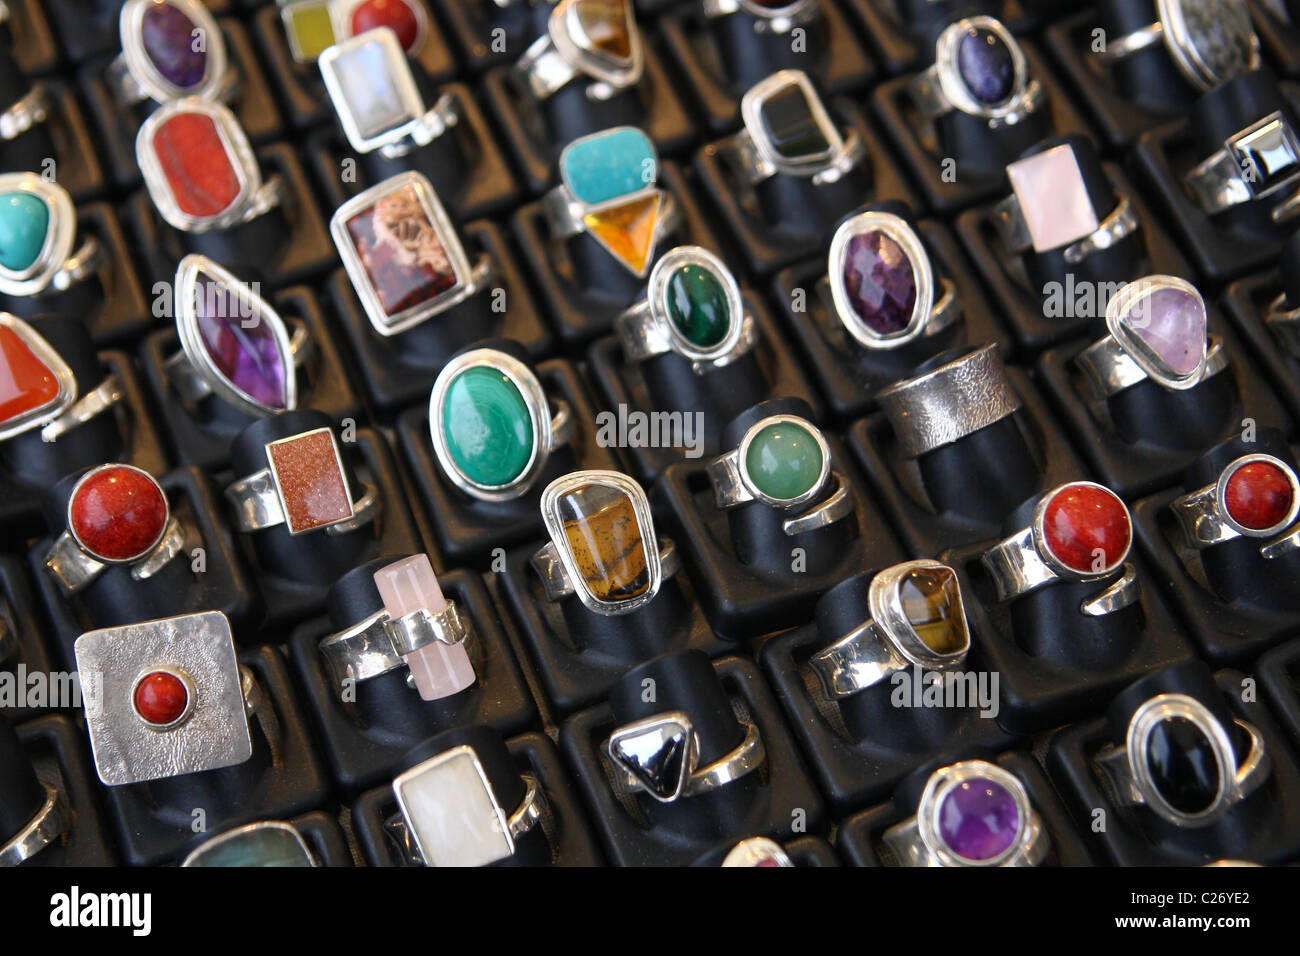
(607, 191)
(692, 307)
(980, 70)
(264, 843)
(948, 403)
(1157, 332)
(200, 169)
(41, 225)
(882, 285)
(492, 426)
(972, 813)
(788, 131)
(769, 16)
(402, 254)
(171, 698)
(454, 815)
(603, 546)
(917, 620)
(783, 462)
(1081, 531)
(1261, 161)
(233, 343)
(378, 104)
(1049, 209)
(304, 488)
(30, 109)
(48, 826)
(117, 514)
(597, 39)
(1209, 41)
(1178, 760)
(1256, 496)
(39, 389)
(1284, 323)
(170, 49)
(660, 757)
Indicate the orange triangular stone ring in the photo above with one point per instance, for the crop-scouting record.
(627, 230)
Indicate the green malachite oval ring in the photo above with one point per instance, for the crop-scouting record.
(783, 461)
(697, 305)
(488, 428)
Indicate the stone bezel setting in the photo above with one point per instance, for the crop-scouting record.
(199, 854)
(539, 414)
(1130, 297)
(383, 323)
(62, 372)
(1185, 47)
(397, 74)
(342, 475)
(952, 84)
(188, 274)
(1049, 557)
(141, 65)
(947, 779)
(742, 469)
(191, 696)
(751, 112)
(1137, 743)
(60, 233)
(163, 526)
(657, 298)
(485, 804)
(342, 12)
(571, 42)
(1221, 488)
(901, 232)
(884, 599)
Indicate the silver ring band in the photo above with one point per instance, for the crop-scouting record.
(1206, 521)
(95, 402)
(1260, 161)
(1285, 324)
(27, 111)
(1130, 43)
(422, 131)
(1110, 368)
(377, 644)
(1120, 223)
(755, 165)
(73, 568)
(564, 53)
(49, 824)
(747, 756)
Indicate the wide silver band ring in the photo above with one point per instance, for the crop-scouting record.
(1125, 768)
(27, 111)
(1206, 522)
(1120, 223)
(48, 826)
(378, 644)
(258, 507)
(557, 585)
(947, 404)
(747, 757)
(1285, 324)
(94, 403)
(73, 568)
(1110, 368)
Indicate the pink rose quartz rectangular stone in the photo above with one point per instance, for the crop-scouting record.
(406, 586)
(1053, 198)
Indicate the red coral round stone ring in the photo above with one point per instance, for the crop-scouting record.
(1256, 496)
(117, 514)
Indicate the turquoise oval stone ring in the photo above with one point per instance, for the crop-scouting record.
(38, 226)
(492, 425)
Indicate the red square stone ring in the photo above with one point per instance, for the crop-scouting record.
(1081, 531)
(39, 390)
(305, 488)
(200, 169)
(171, 49)
(1256, 496)
(596, 39)
(117, 514)
(39, 226)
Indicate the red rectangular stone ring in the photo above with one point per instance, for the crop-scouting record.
(402, 254)
(304, 488)
(170, 49)
(375, 98)
(200, 169)
(39, 223)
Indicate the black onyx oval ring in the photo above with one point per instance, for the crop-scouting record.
(1255, 496)
(1179, 761)
(980, 70)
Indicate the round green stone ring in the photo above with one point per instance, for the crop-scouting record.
(784, 460)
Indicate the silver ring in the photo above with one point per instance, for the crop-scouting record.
(305, 488)
(767, 17)
(607, 190)
(917, 620)
(233, 342)
(878, 317)
(1081, 531)
(659, 756)
(1209, 41)
(1135, 782)
(824, 155)
(182, 133)
(79, 554)
(1259, 162)
(50, 266)
(757, 852)
(402, 254)
(378, 644)
(603, 545)
(27, 111)
(1285, 323)
(249, 845)
(1018, 236)
(612, 61)
(942, 87)
(1256, 496)
(669, 318)
(947, 404)
(492, 426)
(1157, 331)
(148, 30)
(48, 826)
(972, 813)
(375, 97)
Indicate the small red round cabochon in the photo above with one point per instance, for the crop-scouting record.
(118, 513)
(1082, 523)
(161, 698)
(1258, 495)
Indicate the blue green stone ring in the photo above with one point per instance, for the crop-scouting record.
(492, 426)
(782, 462)
(38, 226)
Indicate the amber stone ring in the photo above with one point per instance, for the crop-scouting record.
(597, 39)
(917, 619)
(601, 549)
